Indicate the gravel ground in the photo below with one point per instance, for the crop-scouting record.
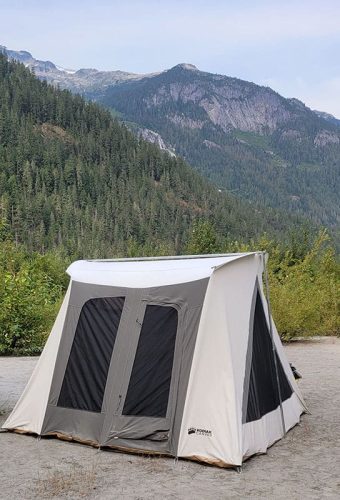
(304, 465)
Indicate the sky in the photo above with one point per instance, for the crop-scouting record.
(292, 46)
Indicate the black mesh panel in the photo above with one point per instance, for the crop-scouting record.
(149, 385)
(263, 394)
(88, 365)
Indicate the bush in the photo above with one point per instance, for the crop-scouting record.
(31, 290)
(304, 279)
(203, 238)
(305, 291)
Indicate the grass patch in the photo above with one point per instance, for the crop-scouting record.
(75, 482)
(259, 141)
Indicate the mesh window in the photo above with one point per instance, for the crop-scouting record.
(88, 365)
(149, 385)
(263, 394)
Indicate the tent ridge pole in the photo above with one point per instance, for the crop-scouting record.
(272, 339)
(173, 257)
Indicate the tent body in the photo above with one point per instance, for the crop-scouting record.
(174, 356)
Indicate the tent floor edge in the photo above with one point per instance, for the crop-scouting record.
(214, 462)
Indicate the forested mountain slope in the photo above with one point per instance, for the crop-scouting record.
(74, 178)
(244, 137)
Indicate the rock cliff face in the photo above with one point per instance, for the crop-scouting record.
(154, 138)
(227, 102)
(192, 99)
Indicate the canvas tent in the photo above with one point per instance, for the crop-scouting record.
(176, 356)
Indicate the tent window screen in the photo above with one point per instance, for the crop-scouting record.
(149, 386)
(263, 394)
(88, 364)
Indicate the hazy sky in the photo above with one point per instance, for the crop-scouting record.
(291, 45)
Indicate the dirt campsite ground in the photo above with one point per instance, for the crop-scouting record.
(306, 464)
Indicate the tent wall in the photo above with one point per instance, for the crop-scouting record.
(260, 434)
(138, 350)
(73, 421)
(212, 420)
(212, 428)
(29, 412)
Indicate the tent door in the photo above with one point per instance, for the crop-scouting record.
(143, 406)
(78, 396)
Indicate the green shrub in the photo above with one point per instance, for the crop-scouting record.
(31, 290)
(203, 238)
(305, 292)
(304, 278)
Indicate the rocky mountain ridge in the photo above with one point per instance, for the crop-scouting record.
(88, 80)
(218, 100)
(82, 81)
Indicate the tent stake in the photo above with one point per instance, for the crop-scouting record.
(272, 339)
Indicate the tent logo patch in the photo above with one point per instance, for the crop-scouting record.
(199, 432)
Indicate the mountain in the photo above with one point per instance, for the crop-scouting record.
(74, 178)
(81, 81)
(245, 138)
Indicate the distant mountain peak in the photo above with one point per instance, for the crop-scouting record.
(186, 66)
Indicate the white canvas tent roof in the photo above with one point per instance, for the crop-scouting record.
(166, 355)
(146, 271)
